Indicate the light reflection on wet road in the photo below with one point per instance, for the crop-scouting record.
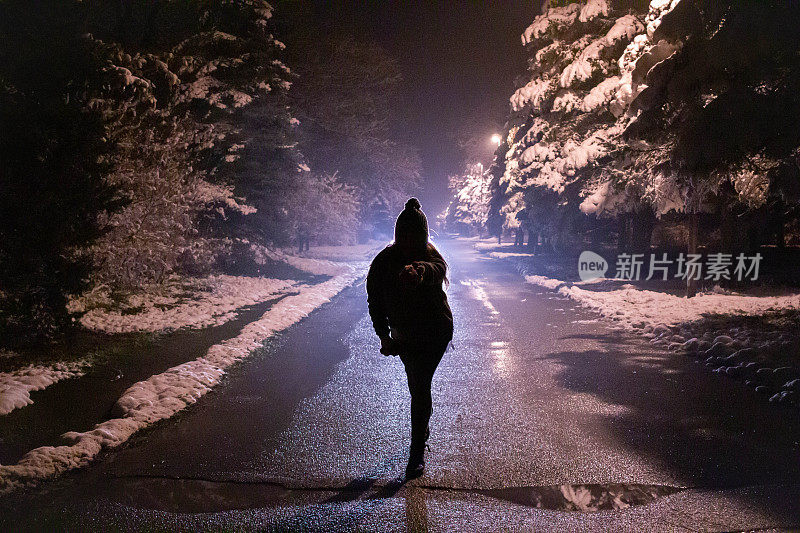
(540, 411)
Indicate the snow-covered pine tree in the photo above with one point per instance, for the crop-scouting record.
(564, 118)
(717, 118)
(695, 115)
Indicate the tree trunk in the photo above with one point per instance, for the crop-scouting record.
(642, 224)
(727, 230)
(754, 230)
(780, 230)
(691, 283)
(622, 229)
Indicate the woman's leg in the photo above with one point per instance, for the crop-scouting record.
(420, 366)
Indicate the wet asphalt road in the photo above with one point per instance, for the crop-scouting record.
(540, 410)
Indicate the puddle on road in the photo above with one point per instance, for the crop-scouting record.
(198, 496)
(584, 498)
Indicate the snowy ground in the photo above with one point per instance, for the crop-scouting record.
(180, 303)
(354, 252)
(163, 395)
(748, 336)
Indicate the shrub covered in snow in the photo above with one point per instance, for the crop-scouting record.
(470, 206)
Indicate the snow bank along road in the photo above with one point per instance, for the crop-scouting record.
(214, 300)
(16, 386)
(162, 395)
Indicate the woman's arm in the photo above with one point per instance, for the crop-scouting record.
(431, 272)
(377, 309)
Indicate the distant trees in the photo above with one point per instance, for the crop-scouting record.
(344, 97)
(325, 208)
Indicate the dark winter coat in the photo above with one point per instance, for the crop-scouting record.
(420, 316)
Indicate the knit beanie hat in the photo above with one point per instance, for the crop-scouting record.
(412, 224)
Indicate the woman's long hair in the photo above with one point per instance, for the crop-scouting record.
(433, 252)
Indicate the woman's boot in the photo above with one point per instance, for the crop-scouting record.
(416, 460)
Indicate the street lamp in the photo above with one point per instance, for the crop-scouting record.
(496, 139)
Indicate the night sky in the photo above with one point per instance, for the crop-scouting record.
(459, 61)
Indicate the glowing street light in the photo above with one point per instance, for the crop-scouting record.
(496, 139)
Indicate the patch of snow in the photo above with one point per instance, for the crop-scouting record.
(751, 184)
(582, 68)
(513, 205)
(188, 303)
(317, 267)
(555, 46)
(636, 61)
(666, 194)
(548, 175)
(566, 101)
(538, 152)
(626, 90)
(601, 94)
(506, 255)
(215, 93)
(658, 8)
(577, 156)
(601, 199)
(624, 29)
(351, 252)
(490, 244)
(16, 386)
(542, 281)
(533, 94)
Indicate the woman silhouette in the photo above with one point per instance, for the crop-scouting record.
(410, 314)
